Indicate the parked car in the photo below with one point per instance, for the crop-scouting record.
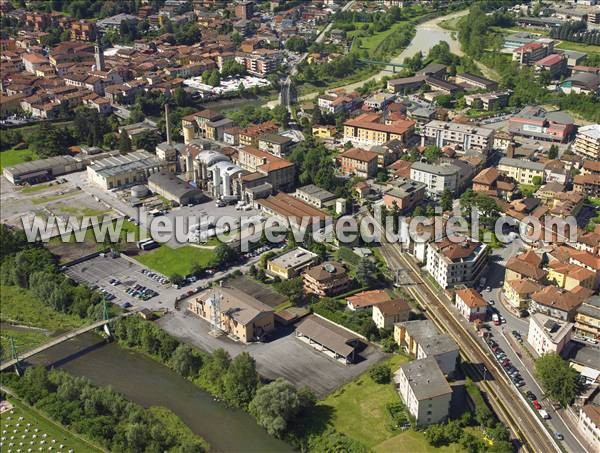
(545, 415)
(530, 395)
(559, 436)
(536, 404)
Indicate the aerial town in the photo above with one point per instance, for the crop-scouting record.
(320, 225)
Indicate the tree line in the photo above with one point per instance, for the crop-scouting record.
(576, 32)
(103, 415)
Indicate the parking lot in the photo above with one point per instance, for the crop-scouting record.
(98, 272)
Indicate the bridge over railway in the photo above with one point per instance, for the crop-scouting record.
(17, 358)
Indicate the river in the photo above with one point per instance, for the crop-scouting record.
(148, 383)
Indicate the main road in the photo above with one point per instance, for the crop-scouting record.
(427, 35)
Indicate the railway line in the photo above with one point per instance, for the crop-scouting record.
(479, 366)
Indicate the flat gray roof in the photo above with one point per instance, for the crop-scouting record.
(294, 258)
(438, 169)
(40, 165)
(425, 378)
(463, 128)
(138, 160)
(521, 163)
(316, 192)
(172, 184)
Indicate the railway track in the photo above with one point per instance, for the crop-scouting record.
(503, 396)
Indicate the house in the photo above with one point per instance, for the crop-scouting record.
(525, 265)
(569, 276)
(421, 339)
(390, 312)
(587, 184)
(249, 135)
(404, 194)
(324, 131)
(326, 279)
(489, 181)
(547, 334)
(372, 129)
(587, 318)
(239, 315)
(278, 145)
(521, 170)
(359, 162)
(291, 264)
(367, 299)
(451, 263)
(517, 293)
(334, 341)
(424, 390)
(557, 302)
(470, 304)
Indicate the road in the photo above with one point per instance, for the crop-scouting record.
(509, 404)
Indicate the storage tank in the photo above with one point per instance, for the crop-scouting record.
(139, 191)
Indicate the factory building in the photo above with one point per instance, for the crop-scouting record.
(174, 189)
(120, 171)
(42, 170)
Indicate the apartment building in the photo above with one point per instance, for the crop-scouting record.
(474, 81)
(547, 334)
(443, 133)
(451, 263)
(278, 145)
(522, 171)
(558, 303)
(359, 162)
(587, 318)
(589, 423)
(424, 390)
(326, 279)
(278, 172)
(488, 101)
(370, 129)
(336, 102)
(387, 313)
(587, 142)
(404, 193)
(436, 177)
(587, 184)
(291, 264)
(249, 136)
(533, 51)
(554, 64)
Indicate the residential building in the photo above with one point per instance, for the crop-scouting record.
(436, 177)
(359, 162)
(443, 133)
(278, 145)
(421, 339)
(249, 135)
(547, 334)
(569, 276)
(557, 302)
(239, 315)
(424, 390)
(404, 193)
(278, 172)
(489, 181)
(336, 102)
(477, 82)
(589, 423)
(390, 312)
(534, 122)
(331, 339)
(367, 299)
(587, 184)
(587, 142)
(326, 279)
(291, 263)
(587, 318)
(517, 293)
(324, 131)
(470, 304)
(451, 263)
(521, 170)
(371, 129)
(123, 170)
(488, 101)
(528, 53)
(525, 265)
(315, 196)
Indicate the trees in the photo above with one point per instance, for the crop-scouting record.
(223, 254)
(275, 405)
(558, 379)
(366, 271)
(296, 44)
(381, 373)
(232, 68)
(292, 289)
(446, 200)
(48, 140)
(124, 143)
(241, 381)
(432, 153)
(211, 77)
(147, 140)
(553, 152)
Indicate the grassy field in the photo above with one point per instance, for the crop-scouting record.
(579, 47)
(12, 157)
(22, 339)
(35, 431)
(371, 42)
(169, 261)
(20, 306)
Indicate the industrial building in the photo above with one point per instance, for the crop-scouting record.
(42, 170)
(174, 189)
(120, 171)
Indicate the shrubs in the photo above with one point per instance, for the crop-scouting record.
(381, 373)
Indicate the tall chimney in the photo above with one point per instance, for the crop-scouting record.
(167, 125)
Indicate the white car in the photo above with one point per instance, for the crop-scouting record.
(491, 302)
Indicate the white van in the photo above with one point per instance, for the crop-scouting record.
(545, 415)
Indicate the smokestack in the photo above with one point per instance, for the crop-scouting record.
(167, 125)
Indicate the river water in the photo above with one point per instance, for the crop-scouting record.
(149, 383)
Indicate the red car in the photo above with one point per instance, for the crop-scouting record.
(536, 404)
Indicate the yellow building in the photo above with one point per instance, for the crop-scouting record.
(569, 276)
(587, 319)
(517, 293)
(239, 315)
(371, 129)
(291, 264)
(324, 131)
(522, 171)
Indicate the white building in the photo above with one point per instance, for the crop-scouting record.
(548, 334)
(123, 170)
(437, 177)
(443, 133)
(587, 142)
(424, 390)
(451, 263)
(589, 423)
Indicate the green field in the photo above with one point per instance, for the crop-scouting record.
(579, 47)
(23, 340)
(371, 42)
(12, 157)
(169, 261)
(36, 432)
(21, 306)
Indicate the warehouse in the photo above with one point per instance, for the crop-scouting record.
(174, 189)
(42, 170)
(128, 169)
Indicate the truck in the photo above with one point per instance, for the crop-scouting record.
(496, 319)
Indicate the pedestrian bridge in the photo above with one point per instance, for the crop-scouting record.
(61, 339)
